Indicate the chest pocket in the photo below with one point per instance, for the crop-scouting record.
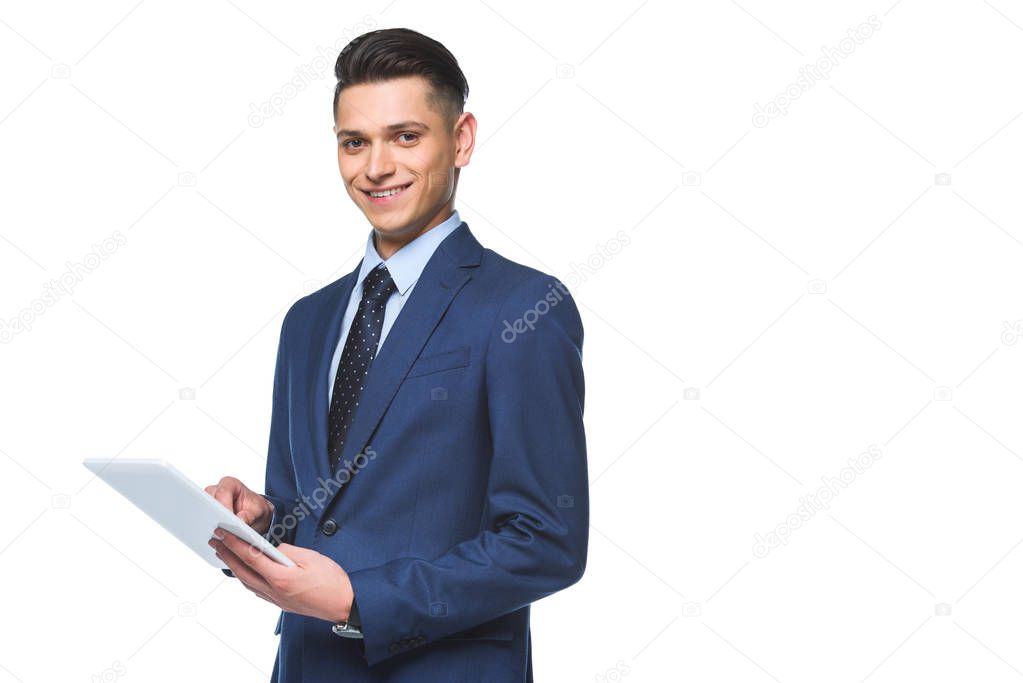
(437, 362)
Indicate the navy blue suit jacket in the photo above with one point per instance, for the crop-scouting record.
(462, 495)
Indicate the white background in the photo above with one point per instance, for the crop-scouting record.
(792, 295)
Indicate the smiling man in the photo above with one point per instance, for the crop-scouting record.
(427, 460)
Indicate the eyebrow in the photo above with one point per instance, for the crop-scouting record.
(391, 128)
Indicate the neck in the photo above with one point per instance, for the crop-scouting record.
(388, 244)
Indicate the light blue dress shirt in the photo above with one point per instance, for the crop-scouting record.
(405, 267)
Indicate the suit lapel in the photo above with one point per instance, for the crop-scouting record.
(447, 271)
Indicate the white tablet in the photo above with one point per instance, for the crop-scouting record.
(179, 505)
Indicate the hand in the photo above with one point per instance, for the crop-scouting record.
(316, 586)
(251, 508)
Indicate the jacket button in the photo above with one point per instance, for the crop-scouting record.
(393, 647)
(329, 527)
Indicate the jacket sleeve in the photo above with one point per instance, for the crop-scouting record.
(534, 536)
(280, 486)
(280, 482)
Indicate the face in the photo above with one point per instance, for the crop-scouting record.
(389, 137)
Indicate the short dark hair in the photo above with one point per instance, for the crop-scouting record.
(398, 52)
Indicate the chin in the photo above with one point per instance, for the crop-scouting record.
(389, 227)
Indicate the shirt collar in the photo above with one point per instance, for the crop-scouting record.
(407, 264)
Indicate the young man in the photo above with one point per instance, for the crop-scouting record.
(431, 487)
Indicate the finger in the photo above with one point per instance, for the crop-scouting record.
(259, 593)
(262, 595)
(214, 490)
(253, 557)
(296, 554)
(246, 576)
(246, 516)
(224, 494)
(241, 570)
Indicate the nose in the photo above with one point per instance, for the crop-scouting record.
(380, 164)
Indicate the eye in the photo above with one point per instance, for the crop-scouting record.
(412, 134)
(348, 142)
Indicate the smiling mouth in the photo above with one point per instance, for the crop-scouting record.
(387, 194)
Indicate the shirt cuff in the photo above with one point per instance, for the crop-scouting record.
(353, 616)
(273, 523)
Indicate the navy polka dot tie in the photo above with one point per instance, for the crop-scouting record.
(360, 349)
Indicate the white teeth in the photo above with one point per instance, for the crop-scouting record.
(388, 193)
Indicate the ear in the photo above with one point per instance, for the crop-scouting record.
(465, 138)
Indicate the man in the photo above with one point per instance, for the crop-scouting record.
(431, 487)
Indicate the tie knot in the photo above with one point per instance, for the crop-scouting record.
(378, 284)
